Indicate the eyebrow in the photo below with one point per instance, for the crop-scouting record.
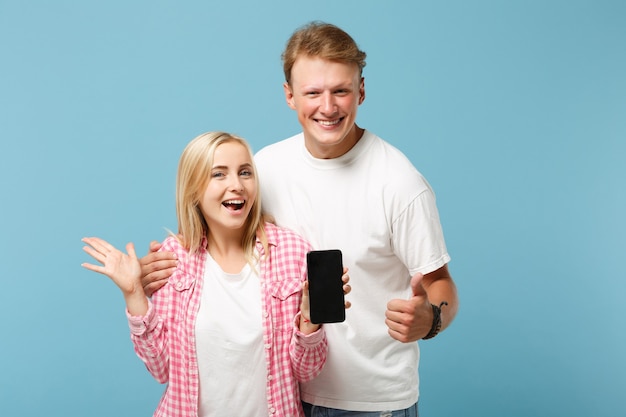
(344, 86)
(246, 165)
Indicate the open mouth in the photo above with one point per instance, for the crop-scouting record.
(329, 123)
(234, 204)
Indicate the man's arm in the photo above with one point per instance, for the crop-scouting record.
(411, 320)
(156, 268)
(440, 288)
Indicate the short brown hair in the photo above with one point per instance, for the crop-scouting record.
(323, 40)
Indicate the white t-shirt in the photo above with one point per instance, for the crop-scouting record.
(373, 205)
(229, 344)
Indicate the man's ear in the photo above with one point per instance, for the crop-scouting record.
(362, 90)
(289, 95)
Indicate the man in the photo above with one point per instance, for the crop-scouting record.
(342, 187)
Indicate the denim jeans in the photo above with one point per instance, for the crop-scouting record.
(318, 411)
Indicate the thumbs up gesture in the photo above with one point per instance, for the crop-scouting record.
(410, 320)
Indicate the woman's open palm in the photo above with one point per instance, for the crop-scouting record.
(123, 269)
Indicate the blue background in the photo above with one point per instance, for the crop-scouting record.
(514, 111)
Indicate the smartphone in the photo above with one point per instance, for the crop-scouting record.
(325, 268)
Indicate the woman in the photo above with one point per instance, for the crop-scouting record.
(230, 332)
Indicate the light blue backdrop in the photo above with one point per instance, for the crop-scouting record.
(514, 110)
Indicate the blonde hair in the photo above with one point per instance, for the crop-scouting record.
(194, 170)
(322, 40)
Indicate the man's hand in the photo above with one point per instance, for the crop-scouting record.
(410, 320)
(156, 268)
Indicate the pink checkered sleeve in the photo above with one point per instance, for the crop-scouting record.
(163, 339)
(150, 343)
(308, 353)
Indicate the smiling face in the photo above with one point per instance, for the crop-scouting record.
(231, 190)
(326, 95)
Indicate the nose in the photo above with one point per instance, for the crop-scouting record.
(327, 105)
(236, 185)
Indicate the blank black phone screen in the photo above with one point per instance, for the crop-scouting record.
(325, 268)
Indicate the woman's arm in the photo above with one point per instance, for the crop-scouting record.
(309, 347)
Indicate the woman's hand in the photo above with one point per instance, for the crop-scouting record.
(346, 287)
(305, 309)
(123, 269)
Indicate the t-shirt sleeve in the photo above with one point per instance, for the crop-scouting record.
(417, 235)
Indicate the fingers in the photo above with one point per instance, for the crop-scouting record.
(345, 278)
(406, 329)
(156, 272)
(346, 287)
(399, 325)
(123, 269)
(130, 249)
(305, 307)
(396, 331)
(346, 290)
(95, 268)
(408, 320)
(98, 244)
(98, 256)
(416, 285)
(150, 287)
(100, 249)
(156, 268)
(97, 249)
(157, 260)
(154, 246)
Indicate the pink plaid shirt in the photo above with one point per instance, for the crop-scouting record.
(164, 338)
